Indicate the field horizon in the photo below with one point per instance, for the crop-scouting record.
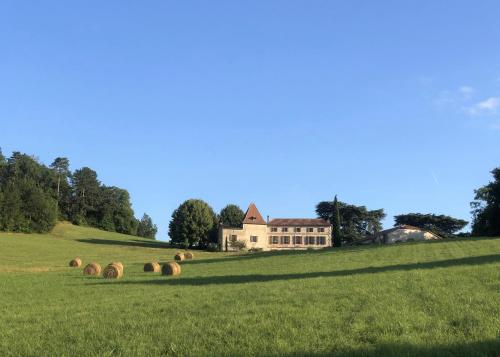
(436, 298)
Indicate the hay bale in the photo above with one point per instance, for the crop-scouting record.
(92, 269)
(152, 267)
(75, 263)
(118, 264)
(188, 255)
(179, 257)
(171, 268)
(112, 271)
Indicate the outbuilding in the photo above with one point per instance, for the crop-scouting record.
(404, 233)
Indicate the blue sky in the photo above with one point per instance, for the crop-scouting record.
(388, 104)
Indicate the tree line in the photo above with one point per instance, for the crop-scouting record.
(33, 197)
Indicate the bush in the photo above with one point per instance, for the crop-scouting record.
(238, 245)
(255, 250)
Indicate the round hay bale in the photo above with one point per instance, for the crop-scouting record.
(171, 269)
(75, 263)
(92, 269)
(112, 271)
(152, 267)
(179, 257)
(188, 255)
(118, 264)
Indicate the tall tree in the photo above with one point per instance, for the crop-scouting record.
(486, 208)
(86, 199)
(61, 168)
(440, 224)
(337, 238)
(146, 228)
(231, 216)
(193, 224)
(355, 221)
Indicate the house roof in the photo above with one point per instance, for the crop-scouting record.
(299, 222)
(403, 226)
(253, 216)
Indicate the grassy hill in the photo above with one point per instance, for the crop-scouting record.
(438, 298)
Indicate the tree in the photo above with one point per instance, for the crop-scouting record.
(86, 197)
(61, 168)
(146, 228)
(337, 238)
(486, 208)
(231, 216)
(440, 224)
(193, 224)
(27, 204)
(355, 221)
(114, 211)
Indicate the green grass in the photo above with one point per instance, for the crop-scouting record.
(440, 298)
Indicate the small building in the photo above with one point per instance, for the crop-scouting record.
(404, 233)
(276, 234)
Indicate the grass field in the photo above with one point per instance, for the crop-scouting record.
(440, 298)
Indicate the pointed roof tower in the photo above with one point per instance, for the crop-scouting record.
(253, 216)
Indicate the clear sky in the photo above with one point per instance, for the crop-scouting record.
(389, 104)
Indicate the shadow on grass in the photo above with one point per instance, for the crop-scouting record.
(260, 278)
(126, 243)
(487, 348)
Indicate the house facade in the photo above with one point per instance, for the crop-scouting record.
(276, 234)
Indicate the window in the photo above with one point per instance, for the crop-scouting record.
(320, 240)
(297, 229)
(297, 240)
(310, 240)
(234, 238)
(284, 229)
(310, 230)
(254, 239)
(273, 240)
(321, 230)
(274, 229)
(285, 240)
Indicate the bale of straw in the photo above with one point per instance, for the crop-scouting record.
(179, 257)
(92, 269)
(171, 268)
(188, 255)
(118, 264)
(152, 267)
(112, 271)
(75, 263)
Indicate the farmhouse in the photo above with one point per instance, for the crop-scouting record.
(276, 234)
(404, 233)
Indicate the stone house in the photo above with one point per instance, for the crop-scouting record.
(276, 234)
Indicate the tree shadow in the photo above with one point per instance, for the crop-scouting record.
(126, 243)
(487, 348)
(276, 253)
(261, 278)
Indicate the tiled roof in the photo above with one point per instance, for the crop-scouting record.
(299, 222)
(253, 216)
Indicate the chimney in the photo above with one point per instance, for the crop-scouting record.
(267, 219)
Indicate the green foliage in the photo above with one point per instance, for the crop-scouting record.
(231, 216)
(355, 221)
(193, 224)
(442, 225)
(486, 208)
(337, 237)
(33, 197)
(28, 203)
(63, 187)
(146, 228)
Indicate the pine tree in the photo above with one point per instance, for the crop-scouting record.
(337, 239)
